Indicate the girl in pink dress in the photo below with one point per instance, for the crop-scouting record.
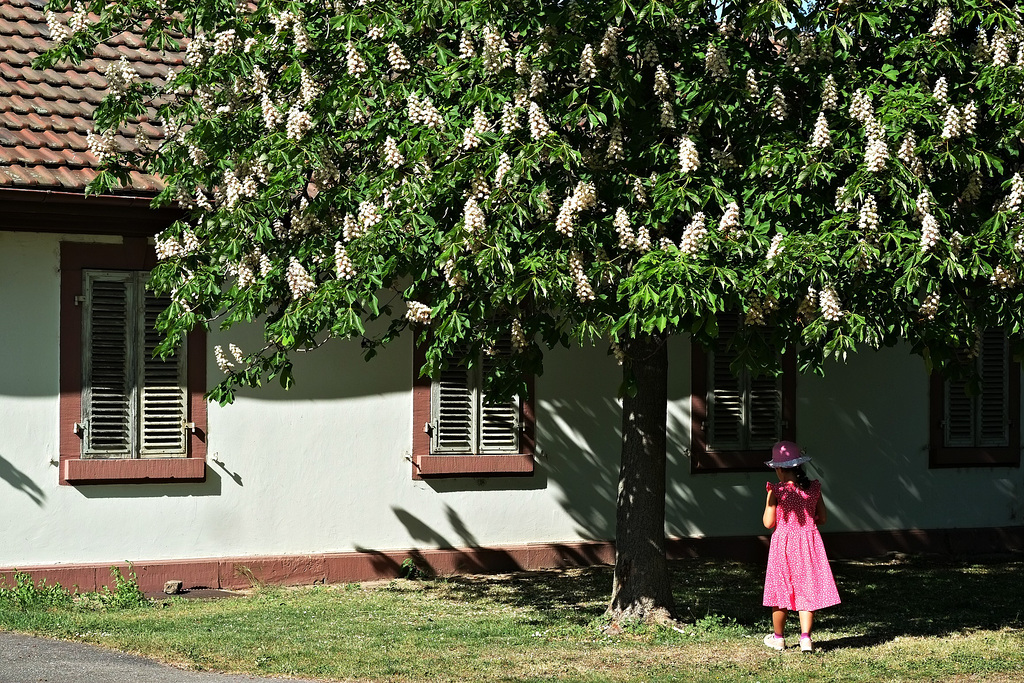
(798, 577)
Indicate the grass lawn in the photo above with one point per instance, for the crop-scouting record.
(915, 619)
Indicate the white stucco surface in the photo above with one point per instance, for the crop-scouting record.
(325, 467)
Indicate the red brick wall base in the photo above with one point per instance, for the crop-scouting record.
(243, 572)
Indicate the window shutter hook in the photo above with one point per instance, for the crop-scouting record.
(79, 429)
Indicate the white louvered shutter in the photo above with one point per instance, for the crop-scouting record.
(163, 397)
(454, 415)
(499, 421)
(765, 410)
(982, 420)
(744, 412)
(107, 386)
(725, 401)
(994, 368)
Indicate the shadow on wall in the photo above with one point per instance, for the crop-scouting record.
(19, 481)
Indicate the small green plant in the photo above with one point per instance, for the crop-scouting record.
(126, 593)
(410, 570)
(28, 595)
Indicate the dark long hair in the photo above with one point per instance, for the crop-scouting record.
(801, 478)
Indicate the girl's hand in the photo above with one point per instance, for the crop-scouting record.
(768, 518)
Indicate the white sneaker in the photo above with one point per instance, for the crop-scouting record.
(806, 645)
(775, 643)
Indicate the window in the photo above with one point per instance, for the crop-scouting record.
(460, 433)
(125, 415)
(978, 428)
(736, 420)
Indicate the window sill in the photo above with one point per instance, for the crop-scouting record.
(710, 462)
(518, 464)
(152, 470)
(974, 457)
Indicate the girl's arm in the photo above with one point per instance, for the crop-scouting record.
(768, 518)
(820, 512)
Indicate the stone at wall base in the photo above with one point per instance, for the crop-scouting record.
(173, 587)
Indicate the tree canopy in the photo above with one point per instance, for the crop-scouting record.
(842, 173)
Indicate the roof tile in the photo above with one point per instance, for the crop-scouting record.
(45, 114)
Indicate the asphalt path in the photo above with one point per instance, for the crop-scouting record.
(27, 659)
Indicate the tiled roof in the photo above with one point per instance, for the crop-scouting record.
(45, 114)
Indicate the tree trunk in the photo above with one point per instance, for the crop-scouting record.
(641, 587)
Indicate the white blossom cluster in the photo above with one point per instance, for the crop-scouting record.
(195, 52)
(617, 353)
(376, 32)
(730, 218)
(951, 125)
(941, 90)
(120, 75)
(354, 62)
(299, 281)
(968, 118)
(982, 48)
(661, 85)
(1001, 47)
(668, 115)
(466, 48)
(223, 363)
(504, 166)
(418, 312)
(775, 248)
(664, 243)
(224, 42)
(622, 228)
(757, 311)
(509, 118)
(1003, 278)
(972, 192)
(868, 221)
(495, 50)
(639, 192)
(689, 161)
(584, 197)
(369, 216)
(943, 22)
(930, 306)
(643, 240)
(396, 58)
(876, 153)
(615, 150)
(716, 63)
(808, 306)
(1016, 196)
(453, 277)
(272, 114)
(830, 306)
(821, 137)
(518, 337)
(929, 232)
(473, 216)
(829, 94)
(609, 44)
(584, 292)
(693, 234)
(650, 53)
(343, 269)
(424, 112)
(309, 89)
(103, 146)
(752, 86)
(168, 248)
(923, 205)
(539, 127)
(778, 109)
(588, 65)
(299, 122)
(861, 108)
(390, 154)
(908, 154)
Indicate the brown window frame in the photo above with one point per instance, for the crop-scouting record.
(942, 456)
(426, 465)
(704, 460)
(133, 254)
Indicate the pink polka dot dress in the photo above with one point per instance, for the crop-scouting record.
(798, 576)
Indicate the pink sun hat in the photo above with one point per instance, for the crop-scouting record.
(787, 454)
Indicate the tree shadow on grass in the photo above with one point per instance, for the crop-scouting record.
(882, 599)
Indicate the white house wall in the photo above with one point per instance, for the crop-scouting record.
(325, 467)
